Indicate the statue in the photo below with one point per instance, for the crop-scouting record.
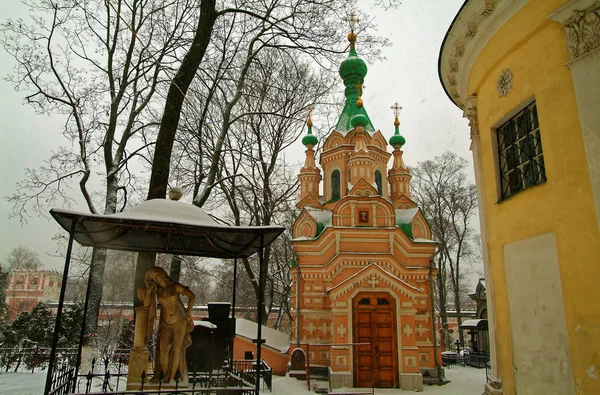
(174, 327)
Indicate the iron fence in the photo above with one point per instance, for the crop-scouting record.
(109, 376)
(17, 359)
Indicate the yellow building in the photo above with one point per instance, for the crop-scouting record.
(527, 75)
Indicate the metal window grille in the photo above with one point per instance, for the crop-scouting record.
(335, 185)
(520, 152)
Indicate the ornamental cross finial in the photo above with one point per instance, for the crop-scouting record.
(396, 108)
(352, 21)
(309, 123)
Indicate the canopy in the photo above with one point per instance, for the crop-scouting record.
(166, 226)
(481, 325)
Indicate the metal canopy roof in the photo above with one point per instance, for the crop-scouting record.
(166, 226)
(481, 324)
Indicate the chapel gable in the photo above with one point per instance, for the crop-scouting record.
(363, 188)
(309, 200)
(305, 226)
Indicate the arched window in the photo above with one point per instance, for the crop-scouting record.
(335, 185)
(379, 182)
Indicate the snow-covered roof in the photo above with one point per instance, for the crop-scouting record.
(205, 324)
(302, 238)
(166, 226)
(421, 240)
(321, 216)
(406, 215)
(273, 338)
(477, 324)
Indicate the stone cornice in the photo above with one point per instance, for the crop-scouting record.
(475, 24)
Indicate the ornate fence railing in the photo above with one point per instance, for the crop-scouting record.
(19, 359)
(109, 376)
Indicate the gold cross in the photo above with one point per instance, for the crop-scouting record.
(310, 108)
(396, 107)
(352, 21)
(308, 118)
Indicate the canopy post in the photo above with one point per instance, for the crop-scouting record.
(259, 314)
(233, 311)
(85, 309)
(61, 301)
(234, 287)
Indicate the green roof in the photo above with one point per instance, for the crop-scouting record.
(310, 139)
(397, 139)
(353, 71)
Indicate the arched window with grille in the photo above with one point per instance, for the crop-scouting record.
(335, 185)
(379, 182)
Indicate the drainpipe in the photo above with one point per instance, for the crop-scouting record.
(298, 276)
(434, 329)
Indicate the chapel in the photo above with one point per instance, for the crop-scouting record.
(362, 271)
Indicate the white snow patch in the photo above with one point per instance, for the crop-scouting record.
(302, 238)
(421, 240)
(405, 216)
(322, 216)
(591, 372)
(205, 324)
(273, 338)
(463, 381)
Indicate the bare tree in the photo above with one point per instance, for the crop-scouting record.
(449, 202)
(98, 64)
(242, 31)
(22, 258)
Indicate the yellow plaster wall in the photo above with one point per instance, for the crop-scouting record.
(534, 48)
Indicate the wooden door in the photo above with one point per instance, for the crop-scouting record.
(374, 320)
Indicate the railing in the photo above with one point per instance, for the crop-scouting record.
(63, 379)
(477, 360)
(246, 370)
(29, 359)
(109, 376)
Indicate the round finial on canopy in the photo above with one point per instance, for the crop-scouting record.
(175, 193)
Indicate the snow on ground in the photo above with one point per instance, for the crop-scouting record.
(464, 381)
(22, 383)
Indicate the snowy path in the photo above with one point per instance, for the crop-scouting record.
(464, 381)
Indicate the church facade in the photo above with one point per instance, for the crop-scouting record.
(362, 250)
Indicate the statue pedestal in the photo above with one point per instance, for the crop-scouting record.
(138, 364)
(139, 356)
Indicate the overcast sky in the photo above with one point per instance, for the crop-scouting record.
(430, 122)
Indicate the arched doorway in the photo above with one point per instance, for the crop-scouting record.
(374, 321)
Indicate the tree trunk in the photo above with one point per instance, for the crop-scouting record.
(175, 97)
(459, 316)
(441, 287)
(96, 284)
(170, 120)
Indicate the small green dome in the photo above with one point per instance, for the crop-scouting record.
(310, 139)
(359, 119)
(397, 140)
(353, 65)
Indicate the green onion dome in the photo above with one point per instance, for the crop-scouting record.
(359, 120)
(353, 66)
(309, 139)
(397, 140)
